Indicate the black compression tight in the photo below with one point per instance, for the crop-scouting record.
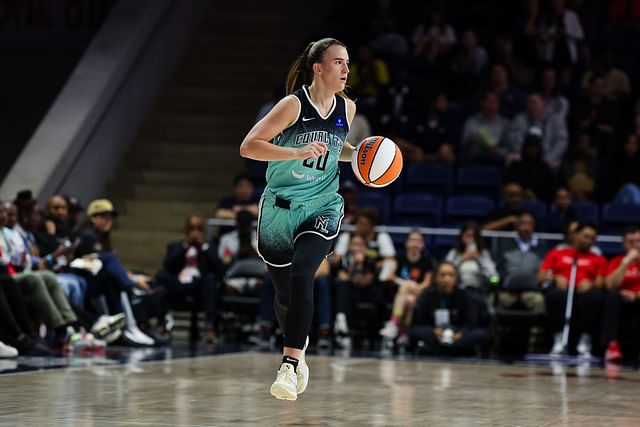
(294, 288)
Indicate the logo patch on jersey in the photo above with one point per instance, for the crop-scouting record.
(297, 175)
(322, 222)
(340, 122)
(306, 119)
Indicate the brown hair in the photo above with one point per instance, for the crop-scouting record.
(301, 71)
(475, 227)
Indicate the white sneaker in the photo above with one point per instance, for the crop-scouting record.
(7, 351)
(113, 336)
(390, 330)
(302, 373)
(340, 325)
(134, 334)
(286, 384)
(584, 346)
(105, 324)
(558, 348)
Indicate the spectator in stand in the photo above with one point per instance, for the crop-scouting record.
(413, 276)
(442, 318)
(560, 35)
(359, 129)
(580, 178)
(627, 169)
(504, 217)
(555, 102)
(483, 133)
(589, 281)
(598, 117)
(349, 192)
(616, 81)
(113, 279)
(369, 77)
(622, 300)
(561, 213)
(531, 172)
(56, 216)
(552, 128)
(521, 256)
(430, 137)
(356, 282)
(74, 210)
(477, 55)
(512, 100)
(437, 30)
(191, 267)
(473, 261)
(243, 199)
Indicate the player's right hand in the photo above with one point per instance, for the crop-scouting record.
(312, 150)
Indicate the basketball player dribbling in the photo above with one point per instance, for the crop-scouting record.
(302, 138)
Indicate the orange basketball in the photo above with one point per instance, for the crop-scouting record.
(376, 161)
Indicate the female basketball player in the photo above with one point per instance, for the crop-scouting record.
(302, 138)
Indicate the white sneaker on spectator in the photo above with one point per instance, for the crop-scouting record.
(584, 346)
(303, 370)
(113, 336)
(136, 336)
(558, 348)
(107, 324)
(286, 384)
(6, 351)
(340, 325)
(390, 330)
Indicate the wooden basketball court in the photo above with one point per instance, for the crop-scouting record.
(232, 389)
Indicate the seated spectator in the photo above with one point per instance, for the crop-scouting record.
(359, 129)
(517, 257)
(113, 279)
(379, 245)
(429, 137)
(74, 209)
(243, 268)
(56, 214)
(368, 76)
(622, 299)
(243, 200)
(477, 55)
(531, 172)
(355, 282)
(191, 267)
(512, 100)
(413, 276)
(559, 35)
(443, 320)
(483, 133)
(349, 192)
(555, 102)
(552, 128)
(436, 29)
(580, 178)
(556, 270)
(561, 213)
(598, 117)
(626, 170)
(616, 81)
(473, 262)
(504, 216)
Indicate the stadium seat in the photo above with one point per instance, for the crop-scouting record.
(474, 179)
(538, 209)
(459, 208)
(586, 211)
(425, 208)
(433, 178)
(617, 216)
(378, 199)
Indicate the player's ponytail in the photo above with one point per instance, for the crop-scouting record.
(301, 71)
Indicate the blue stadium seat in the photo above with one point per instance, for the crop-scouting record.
(617, 215)
(460, 209)
(586, 211)
(538, 209)
(378, 199)
(426, 208)
(441, 245)
(475, 179)
(256, 170)
(346, 173)
(432, 178)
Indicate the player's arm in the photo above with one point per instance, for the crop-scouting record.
(257, 144)
(348, 148)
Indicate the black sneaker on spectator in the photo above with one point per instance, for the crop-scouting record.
(30, 347)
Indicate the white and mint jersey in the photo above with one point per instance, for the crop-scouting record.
(311, 178)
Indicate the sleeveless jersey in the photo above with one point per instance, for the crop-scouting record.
(311, 178)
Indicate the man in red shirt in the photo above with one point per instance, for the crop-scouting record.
(622, 301)
(556, 267)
